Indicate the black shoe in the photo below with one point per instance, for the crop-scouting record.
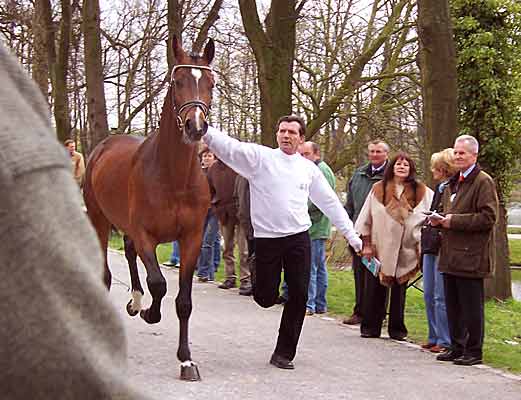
(400, 338)
(468, 360)
(354, 319)
(369, 335)
(281, 300)
(281, 362)
(245, 291)
(449, 355)
(202, 279)
(227, 285)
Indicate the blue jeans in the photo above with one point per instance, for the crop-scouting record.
(174, 258)
(284, 288)
(205, 264)
(217, 250)
(317, 277)
(434, 296)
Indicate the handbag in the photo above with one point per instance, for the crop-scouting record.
(431, 236)
(430, 239)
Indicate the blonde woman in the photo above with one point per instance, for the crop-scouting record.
(442, 168)
(390, 224)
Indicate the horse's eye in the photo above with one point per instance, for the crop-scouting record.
(178, 83)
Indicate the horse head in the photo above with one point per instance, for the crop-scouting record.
(191, 85)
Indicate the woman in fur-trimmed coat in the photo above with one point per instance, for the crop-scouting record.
(390, 223)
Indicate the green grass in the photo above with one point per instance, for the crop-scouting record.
(515, 251)
(516, 275)
(514, 231)
(503, 320)
(163, 252)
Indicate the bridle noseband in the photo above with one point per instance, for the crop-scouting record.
(205, 108)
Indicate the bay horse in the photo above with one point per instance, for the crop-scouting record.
(154, 191)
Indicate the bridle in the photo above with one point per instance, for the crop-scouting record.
(205, 108)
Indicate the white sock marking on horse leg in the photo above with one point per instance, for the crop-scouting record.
(187, 363)
(136, 300)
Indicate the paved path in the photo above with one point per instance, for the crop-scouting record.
(232, 339)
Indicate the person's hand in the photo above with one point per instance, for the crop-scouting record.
(356, 244)
(445, 222)
(435, 222)
(367, 252)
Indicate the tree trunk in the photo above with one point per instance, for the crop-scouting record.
(438, 72)
(499, 286)
(43, 36)
(175, 28)
(202, 36)
(96, 106)
(274, 51)
(60, 72)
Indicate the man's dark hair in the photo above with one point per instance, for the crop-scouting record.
(294, 118)
(67, 142)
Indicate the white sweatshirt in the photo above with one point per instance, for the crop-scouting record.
(280, 185)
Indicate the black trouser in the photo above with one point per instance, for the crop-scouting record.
(360, 273)
(375, 296)
(293, 253)
(464, 298)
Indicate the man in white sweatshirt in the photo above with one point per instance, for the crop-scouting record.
(281, 180)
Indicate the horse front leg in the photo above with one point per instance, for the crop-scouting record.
(155, 281)
(189, 253)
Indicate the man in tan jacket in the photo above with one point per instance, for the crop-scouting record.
(470, 206)
(78, 165)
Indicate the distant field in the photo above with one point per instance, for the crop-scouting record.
(516, 193)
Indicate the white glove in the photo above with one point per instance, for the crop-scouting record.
(356, 244)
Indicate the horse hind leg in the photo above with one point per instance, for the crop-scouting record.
(103, 227)
(134, 305)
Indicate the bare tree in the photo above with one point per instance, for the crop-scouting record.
(43, 38)
(274, 49)
(438, 72)
(97, 110)
(60, 71)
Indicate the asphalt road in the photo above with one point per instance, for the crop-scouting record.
(232, 339)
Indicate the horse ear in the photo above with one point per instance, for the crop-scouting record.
(209, 51)
(177, 47)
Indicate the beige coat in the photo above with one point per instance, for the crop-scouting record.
(78, 167)
(393, 229)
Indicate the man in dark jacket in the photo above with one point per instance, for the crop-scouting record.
(357, 190)
(470, 205)
(221, 179)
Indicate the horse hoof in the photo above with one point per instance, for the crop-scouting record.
(130, 310)
(190, 372)
(145, 314)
